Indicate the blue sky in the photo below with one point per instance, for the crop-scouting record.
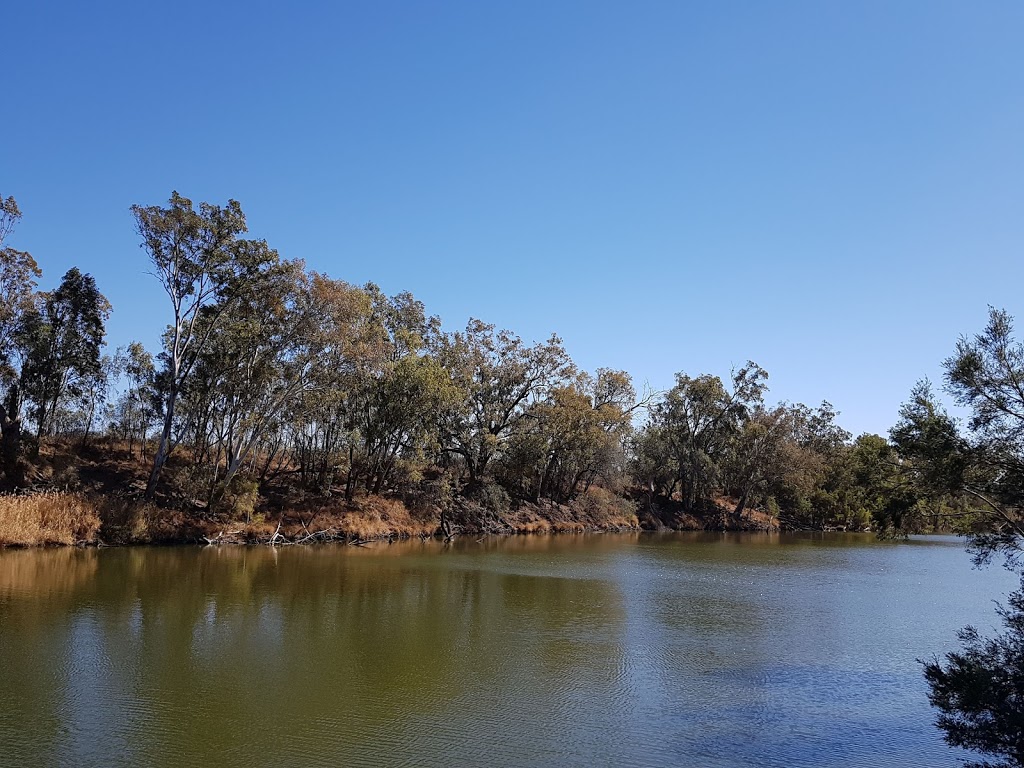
(834, 190)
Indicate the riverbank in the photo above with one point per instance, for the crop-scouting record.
(93, 496)
(78, 518)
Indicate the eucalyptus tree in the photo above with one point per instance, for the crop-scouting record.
(93, 392)
(206, 269)
(397, 392)
(259, 363)
(805, 475)
(698, 418)
(572, 436)
(62, 341)
(321, 419)
(651, 462)
(140, 410)
(757, 459)
(18, 275)
(497, 377)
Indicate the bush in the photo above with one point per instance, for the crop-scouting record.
(238, 500)
(127, 521)
(493, 498)
(601, 508)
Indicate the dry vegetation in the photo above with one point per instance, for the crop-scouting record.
(49, 518)
(99, 503)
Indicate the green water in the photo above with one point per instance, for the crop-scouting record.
(676, 650)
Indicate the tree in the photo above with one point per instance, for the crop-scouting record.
(258, 362)
(572, 436)
(397, 391)
(699, 417)
(497, 377)
(756, 462)
(983, 464)
(206, 269)
(18, 275)
(62, 342)
(322, 421)
(137, 409)
(93, 392)
(980, 691)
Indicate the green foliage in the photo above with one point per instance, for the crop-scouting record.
(979, 691)
(206, 270)
(571, 437)
(61, 343)
(492, 497)
(700, 419)
(237, 498)
(497, 377)
(979, 469)
(18, 275)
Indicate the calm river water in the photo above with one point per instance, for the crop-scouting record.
(613, 650)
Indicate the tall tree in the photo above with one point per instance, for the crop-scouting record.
(18, 275)
(699, 418)
(260, 362)
(573, 436)
(206, 269)
(978, 692)
(756, 460)
(497, 376)
(63, 340)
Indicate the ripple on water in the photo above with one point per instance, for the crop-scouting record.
(673, 651)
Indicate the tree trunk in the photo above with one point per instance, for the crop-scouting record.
(350, 481)
(741, 505)
(88, 423)
(163, 447)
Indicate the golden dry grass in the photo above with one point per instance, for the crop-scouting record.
(376, 517)
(49, 518)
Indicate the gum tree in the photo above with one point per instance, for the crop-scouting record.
(206, 269)
(18, 275)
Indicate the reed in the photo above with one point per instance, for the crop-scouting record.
(47, 518)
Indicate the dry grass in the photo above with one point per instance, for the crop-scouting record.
(50, 518)
(375, 517)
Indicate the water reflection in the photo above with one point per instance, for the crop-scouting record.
(184, 654)
(704, 649)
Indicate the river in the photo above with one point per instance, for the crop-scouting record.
(705, 650)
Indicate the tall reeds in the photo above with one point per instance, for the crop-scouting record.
(48, 518)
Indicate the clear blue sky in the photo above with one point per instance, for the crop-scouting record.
(834, 190)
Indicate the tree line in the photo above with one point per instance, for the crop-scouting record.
(271, 375)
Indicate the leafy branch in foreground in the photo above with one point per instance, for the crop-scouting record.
(979, 691)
